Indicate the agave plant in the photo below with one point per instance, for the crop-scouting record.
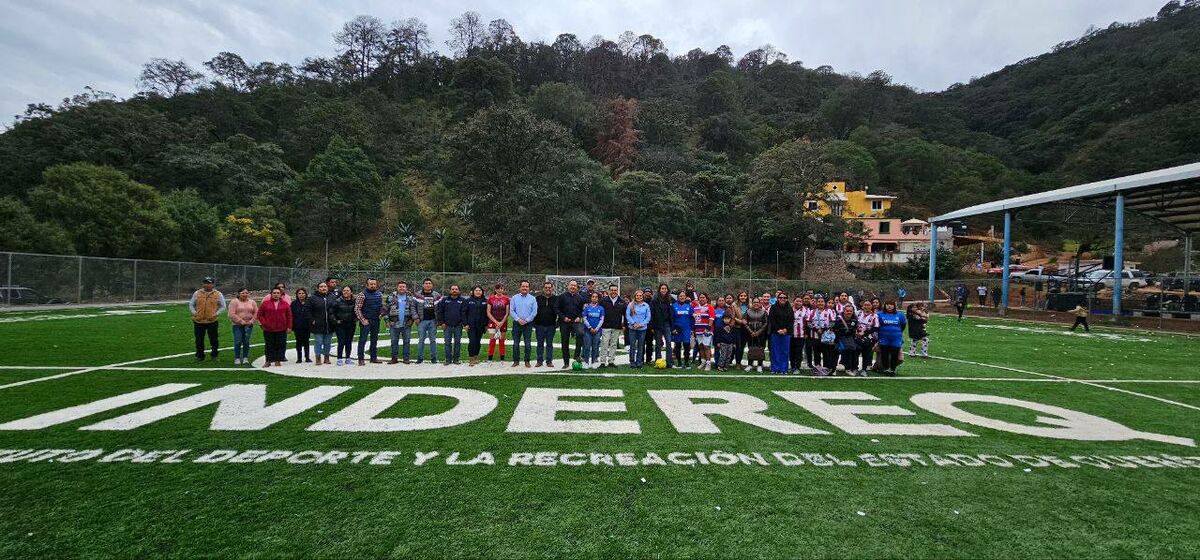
(439, 234)
(382, 265)
(406, 235)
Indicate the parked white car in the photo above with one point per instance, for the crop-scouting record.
(1101, 279)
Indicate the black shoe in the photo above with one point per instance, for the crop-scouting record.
(200, 359)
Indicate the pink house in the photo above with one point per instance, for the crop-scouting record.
(892, 240)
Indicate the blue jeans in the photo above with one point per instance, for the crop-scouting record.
(637, 347)
(453, 344)
(322, 342)
(372, 329)
(400, 334)
(241, 340)
(591, 345)
(662, 342)
(781, 345)
(521, 332)
(545, 342)
(427, 328)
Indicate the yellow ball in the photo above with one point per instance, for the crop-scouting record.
(660, 364)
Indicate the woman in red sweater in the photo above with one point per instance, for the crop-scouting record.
(275, 316)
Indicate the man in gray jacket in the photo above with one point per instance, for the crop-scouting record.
(401, 313)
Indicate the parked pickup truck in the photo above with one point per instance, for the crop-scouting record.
(1101, 279)
(1038, 274)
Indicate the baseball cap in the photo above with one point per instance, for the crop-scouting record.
(209, 280)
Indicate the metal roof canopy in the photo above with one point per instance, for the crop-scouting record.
(1171, 196)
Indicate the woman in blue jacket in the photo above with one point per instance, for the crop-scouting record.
(593, 329)
(681, 330)
(637, 316)
(891, 337)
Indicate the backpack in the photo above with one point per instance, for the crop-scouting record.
(828, 337)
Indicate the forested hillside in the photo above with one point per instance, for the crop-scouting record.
(406, 153)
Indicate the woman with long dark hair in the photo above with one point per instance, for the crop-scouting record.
(302, 325)
(477, 323)
(275, 317)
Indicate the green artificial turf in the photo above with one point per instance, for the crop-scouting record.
(276, 509)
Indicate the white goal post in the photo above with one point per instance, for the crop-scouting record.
(560, 282)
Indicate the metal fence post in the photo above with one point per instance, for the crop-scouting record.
(135, 273)
(79, 283)
(178, 279)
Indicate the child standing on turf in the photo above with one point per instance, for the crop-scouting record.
(917, 318)
(497, 314)
(1081, 315)
(593, 329)
(681, 330)
(702, 327)
(724, 338)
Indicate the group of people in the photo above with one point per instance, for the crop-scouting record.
(671, 329)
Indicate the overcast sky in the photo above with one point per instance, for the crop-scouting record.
(50, 49)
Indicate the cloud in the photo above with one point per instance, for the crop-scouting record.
(51, 49)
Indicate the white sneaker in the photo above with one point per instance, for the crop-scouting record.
(759, 369)
(748, 368)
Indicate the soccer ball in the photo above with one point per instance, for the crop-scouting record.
(660, 364)
(576, 365)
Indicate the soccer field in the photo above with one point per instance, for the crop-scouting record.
(104, 452)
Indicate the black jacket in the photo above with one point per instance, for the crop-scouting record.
(302, 315)
(780, 317)
(476, 310)
(661, 314)
(343, 312)
(452, 311)
(569, 306)
(546, 313)
(614, 313)
(320, 311)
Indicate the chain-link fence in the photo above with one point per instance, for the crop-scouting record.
(31, 279)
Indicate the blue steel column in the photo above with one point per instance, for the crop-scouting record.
(1007, 252)
(932, 261)
(1118, 255)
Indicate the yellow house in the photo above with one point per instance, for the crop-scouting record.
(849, 204)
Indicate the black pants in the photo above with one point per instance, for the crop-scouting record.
(201, 330)
(566, 331)
(345, 337)
(276, 343)
(683, 353)
(829, 355)
(796, 355)
(1081, 321)
(890, 357)
(302, 346)
(739, 345)
(868, 355)
(474, 336)
(648, 350)
(849, 358)
(960, 307)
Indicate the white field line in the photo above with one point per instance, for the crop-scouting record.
(1050, 379)
(105, 367)
(1068, 379)
(43, 367)
(1100, 326)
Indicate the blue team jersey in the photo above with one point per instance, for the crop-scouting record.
(593, 316)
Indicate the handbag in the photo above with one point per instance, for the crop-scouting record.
(756, 353)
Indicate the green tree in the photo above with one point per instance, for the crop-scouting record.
(568, 106)
(480, 82)
(20, 230)
(646, 207)
(780, 182)
(338, 197)
(518, 176)
(227, 174)
(198, 223)
(106, 213)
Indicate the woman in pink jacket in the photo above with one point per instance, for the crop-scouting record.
(241, 313)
